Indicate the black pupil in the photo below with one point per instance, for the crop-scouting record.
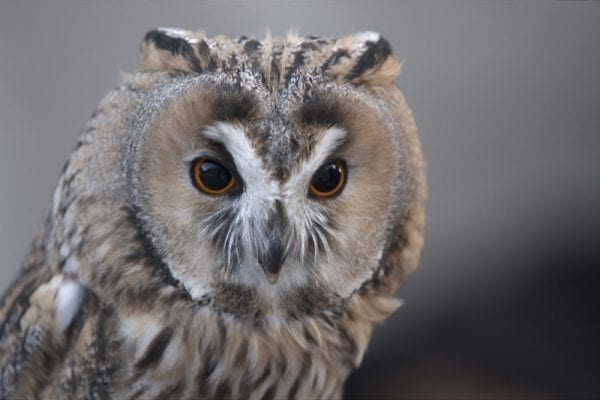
(327, 177)
(214, 176)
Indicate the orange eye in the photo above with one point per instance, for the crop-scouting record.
(329, 180)
(211, 177)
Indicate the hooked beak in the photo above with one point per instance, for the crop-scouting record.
(271, 258)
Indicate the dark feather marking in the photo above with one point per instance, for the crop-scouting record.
(308, 300)
(15, 363)
(375, 54)
(177, 46)
(310, 257)
(99, 384)
(308, 46)
(309, 337)
(203, 51)
(205, 55)
(263, 377)
(206, 372)
(251, 46)
(270, 392)
(155, 349)
(299, 59)
(150, 251)
(138, 393)
(296, 385)
(233, 105)
(306, 362)
(334, 58)
(16, 309)
(320, 111)
(212, 360)
(222, 332)
(81, 141)
(314, 381)
(275, 73)
(236, 300)
(69, 384)
(240, 358)
(68, 162)
(223, 390)
(233, 62)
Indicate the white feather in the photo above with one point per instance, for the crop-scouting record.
(68, 302)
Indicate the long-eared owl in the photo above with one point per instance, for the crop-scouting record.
(234, 219)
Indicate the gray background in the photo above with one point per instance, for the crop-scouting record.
(506, 96)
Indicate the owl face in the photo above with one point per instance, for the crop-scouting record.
(264, 195)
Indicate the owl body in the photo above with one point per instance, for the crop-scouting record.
(234, 219)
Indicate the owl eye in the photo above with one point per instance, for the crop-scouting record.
(211, 177)
(329, 180)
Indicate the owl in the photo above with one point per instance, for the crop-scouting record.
(234, 219)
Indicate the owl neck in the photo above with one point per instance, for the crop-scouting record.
(216, 355)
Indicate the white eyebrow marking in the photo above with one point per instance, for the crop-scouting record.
(234, 139)
(329, 141)
(260, 186)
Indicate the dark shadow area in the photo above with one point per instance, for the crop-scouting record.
(541, 340)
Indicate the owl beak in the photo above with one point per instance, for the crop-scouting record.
(271, 259)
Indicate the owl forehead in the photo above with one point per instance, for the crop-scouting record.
(283, 133)
(362, 58)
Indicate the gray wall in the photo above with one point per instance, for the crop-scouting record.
(506, 96)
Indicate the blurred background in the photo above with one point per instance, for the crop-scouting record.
(506, 302)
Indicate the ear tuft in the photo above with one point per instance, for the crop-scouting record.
(365, 59)
(172, 49)
(362, 59)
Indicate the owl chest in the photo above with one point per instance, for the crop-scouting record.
(215, 358)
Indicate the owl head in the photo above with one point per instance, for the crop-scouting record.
(272, 178)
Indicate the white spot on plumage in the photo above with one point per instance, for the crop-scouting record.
(179, 34)
(367, 36)
(65, 250)
(68, 302)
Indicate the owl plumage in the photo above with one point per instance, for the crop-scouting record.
(150, 280)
